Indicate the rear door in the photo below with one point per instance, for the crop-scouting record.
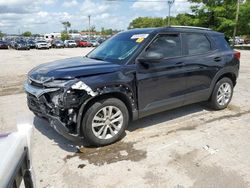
(202, 62)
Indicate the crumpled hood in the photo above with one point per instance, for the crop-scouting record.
(71, 68)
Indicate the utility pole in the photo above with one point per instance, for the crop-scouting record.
(236, 20)
(89, 25)
(170, 3)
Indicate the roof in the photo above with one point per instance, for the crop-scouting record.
(173, 29)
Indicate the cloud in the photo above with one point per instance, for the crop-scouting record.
(149, 6)
(69, 4)
(44, 16)
(161, 7)
(91, 7)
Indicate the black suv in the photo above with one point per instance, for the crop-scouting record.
(133, 74)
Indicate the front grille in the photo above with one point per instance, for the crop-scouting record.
(33, 103)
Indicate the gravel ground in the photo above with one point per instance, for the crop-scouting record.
(186, 147)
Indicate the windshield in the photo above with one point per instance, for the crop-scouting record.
(118, 48)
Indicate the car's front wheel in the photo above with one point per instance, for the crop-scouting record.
(222, 94)
(105, 122)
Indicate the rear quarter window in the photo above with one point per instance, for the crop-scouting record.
(221, 42)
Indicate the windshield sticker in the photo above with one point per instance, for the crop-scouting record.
(137, 36)
(139, 40)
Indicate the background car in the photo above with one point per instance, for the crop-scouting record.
(70, 43)
(3, 45)
(57, 44)
(94, 43)
(83, 43)
(31, 44)
(16, 169)
(238, 41)
(21, 45)
(42, 44)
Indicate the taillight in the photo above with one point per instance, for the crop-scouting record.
(237, 54)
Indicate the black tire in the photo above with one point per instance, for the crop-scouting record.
(213, 103)
(87, 131)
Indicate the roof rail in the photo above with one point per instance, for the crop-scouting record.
(191, 27)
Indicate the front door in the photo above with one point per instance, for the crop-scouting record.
(161, 83)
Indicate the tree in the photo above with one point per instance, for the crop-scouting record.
(1, 34)
(92, 28)
(27, 34)
(66, 25)
(73, 31)
(64, 36)
(244, 19)
(142, 22)
(220, 15)
(107, 31)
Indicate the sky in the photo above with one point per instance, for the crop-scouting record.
(45, 16)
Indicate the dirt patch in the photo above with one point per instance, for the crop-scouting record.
(206, 176)
(186, 128)
(119, 151)
(233, 108)
(11, 85)
(228, 116)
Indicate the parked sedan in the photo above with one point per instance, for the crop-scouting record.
(83, 43)
(3, 45)
(70, 43)
(94, 43)
(57, 44)
(42, 44)
(31, 44)
(21, 45)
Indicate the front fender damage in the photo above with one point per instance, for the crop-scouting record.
(80, 85)
(124, 90)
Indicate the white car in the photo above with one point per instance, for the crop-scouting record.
(42, 44)
(16, 162)
(70, 43)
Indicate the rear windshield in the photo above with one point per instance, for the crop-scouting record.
(221, 42)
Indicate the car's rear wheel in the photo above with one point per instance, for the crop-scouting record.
(105, 122)
(222, 94)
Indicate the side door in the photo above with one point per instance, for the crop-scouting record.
(202, 62)
(161, 81)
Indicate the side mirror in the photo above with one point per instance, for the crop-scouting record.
(151, 57)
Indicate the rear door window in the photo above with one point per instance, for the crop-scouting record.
(196, 44)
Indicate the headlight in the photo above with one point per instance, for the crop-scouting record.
(58, 83)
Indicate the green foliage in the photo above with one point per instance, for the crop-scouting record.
(244, 19)
(73, 31)
(220, 15)
(66, 25)
(108, 31)
(64, 36)
(215, 14)
(1, 34)
(147, 22)
(27, 34)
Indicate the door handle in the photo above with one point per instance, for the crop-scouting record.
(217, 59)
(180, 64)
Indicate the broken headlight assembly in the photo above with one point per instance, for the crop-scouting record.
(59, 83)
(71, 93)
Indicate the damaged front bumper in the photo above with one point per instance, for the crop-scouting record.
(58, 117)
